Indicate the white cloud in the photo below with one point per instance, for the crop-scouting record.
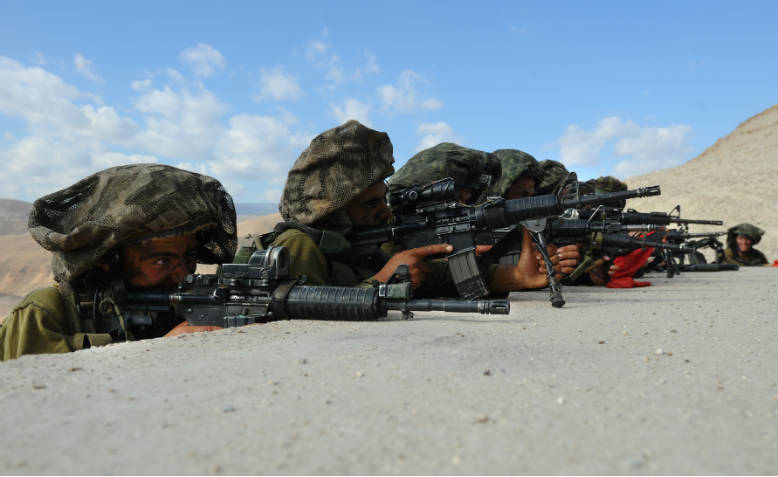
(70, 134)
(371, 63)
(278, 86)
(435, 133)
(644, 148)
(84, 67)
(35, 95)
(112, 159)
(48, 164)
(256, 147)
(271, 195)
(180, 123)
(174, 75)
(654, 148)
(46, 103)
(402, 98)
(39, 58)
(351, 109)
(141, 85)
(321, 55)
(202, 59)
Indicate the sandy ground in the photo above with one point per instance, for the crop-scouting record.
(677, 378)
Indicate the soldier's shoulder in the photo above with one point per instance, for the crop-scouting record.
(47, 298)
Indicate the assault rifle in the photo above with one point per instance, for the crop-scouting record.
(430, 214)
(674, 260)
(631, 216)
(607, 238)
(261, 291)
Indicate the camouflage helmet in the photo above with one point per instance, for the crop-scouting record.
(470, 168)
(337, 166)
(604, 184)
(607, 184)
(515, 163)
(749, 230)
(125, 204)
(554, 172)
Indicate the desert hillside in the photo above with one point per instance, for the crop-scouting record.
(13, 216)
(734, 180)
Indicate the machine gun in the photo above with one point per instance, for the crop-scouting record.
(430, 214)
(261, 291)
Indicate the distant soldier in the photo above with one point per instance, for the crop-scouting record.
(740, 241)
(473, 171)
(142, 226)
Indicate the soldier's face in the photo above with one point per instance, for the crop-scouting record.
(522, 187)
(369, 208)
(159, 262)
(465, 195)
(743, 243)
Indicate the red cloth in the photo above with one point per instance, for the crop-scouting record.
(628, 265)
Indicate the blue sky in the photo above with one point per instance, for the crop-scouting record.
(238, 89)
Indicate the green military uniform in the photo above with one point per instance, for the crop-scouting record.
(86, 224)
(470, 168)
(44, 323)
(732, 255)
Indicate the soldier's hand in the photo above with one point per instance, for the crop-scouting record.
(414, 258)
(184, 327)
(564, 259)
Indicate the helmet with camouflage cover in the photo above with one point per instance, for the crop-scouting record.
(126, 204)
(604, 184)
(607, 184)
(554, 173)
(749, 230)
(515, 163)
(470, 168)
(337, 166)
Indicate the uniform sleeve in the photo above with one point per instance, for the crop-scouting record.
(38, 325)
(306, 257)
(726, 257)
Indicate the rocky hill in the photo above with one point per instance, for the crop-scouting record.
(13, 216)
(734, 180)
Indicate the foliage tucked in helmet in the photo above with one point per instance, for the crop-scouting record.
(554, 174)
(471, 169)
(337, 166)
(749, 230)
(124, 204)
(515, 163)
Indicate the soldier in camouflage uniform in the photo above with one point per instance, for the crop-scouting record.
(335, 187)
(740, 241)
(472, 170)
(138, 226)
(554, 175)
(600, 273)
(521, 174)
